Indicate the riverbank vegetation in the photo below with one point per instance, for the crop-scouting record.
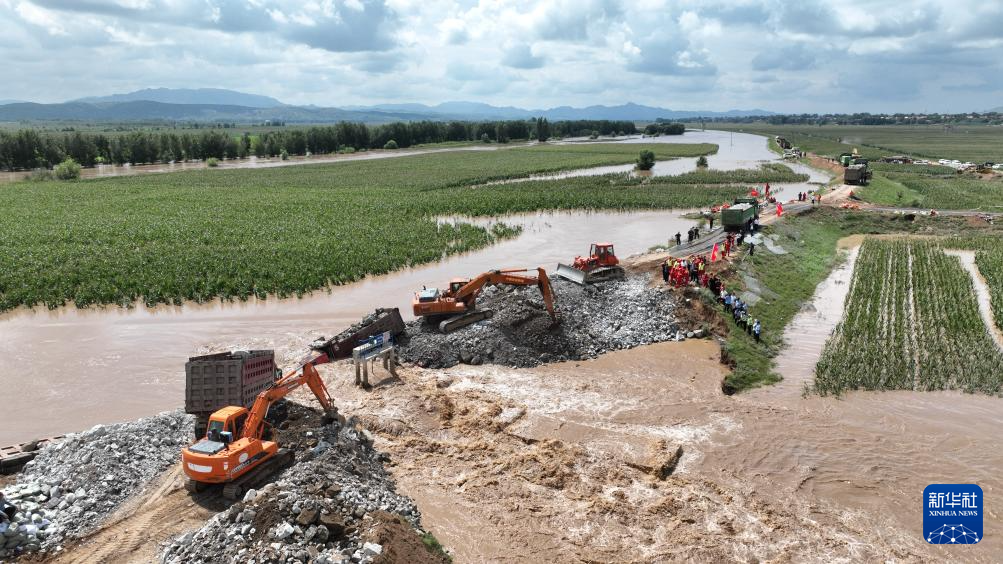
(209, 233)
(30, 148)
(771, 172)
(950, 192)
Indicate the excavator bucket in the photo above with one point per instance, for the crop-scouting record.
(571, 273)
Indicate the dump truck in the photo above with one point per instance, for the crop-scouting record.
(857, 173)
(214, 381)
(741, 215)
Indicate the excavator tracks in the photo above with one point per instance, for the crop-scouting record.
(259, 475)
(461, 321)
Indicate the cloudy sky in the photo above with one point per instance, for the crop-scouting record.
(785, 56)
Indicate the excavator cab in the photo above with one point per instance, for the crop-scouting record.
(456, 283)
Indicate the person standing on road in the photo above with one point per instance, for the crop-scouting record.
(665, 271)
(752, 248)
(712, 223)
(679, 239)
(756, 329)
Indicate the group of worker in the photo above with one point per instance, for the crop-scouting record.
(692, 235)
(740, 312)
(685, 271)
(814, 197)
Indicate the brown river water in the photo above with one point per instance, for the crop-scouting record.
(74, 368)
(864, 457)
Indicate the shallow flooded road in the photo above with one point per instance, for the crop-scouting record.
(75, 368)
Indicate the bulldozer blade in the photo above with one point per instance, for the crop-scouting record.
(570, 273)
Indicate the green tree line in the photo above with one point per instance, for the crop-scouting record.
(30, 149)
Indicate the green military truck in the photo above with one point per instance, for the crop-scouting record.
(741, 215)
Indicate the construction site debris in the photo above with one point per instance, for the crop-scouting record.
(318, 510)
(618, 314)
(73, 484)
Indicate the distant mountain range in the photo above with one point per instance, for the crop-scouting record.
(157, 111)
(2, 102)
(198, 96)
(214, 105)
(629, 111)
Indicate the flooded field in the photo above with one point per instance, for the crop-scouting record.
(108, 170)
(78, 367)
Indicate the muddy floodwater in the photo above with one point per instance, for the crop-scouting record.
(73, 368)
(872, 452)
(735, 151)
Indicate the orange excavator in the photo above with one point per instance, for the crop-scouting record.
(456, 305)
(234, 451)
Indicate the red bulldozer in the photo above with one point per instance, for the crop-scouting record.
(601, 265)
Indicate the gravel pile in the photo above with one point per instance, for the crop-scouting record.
(314, 512)
(594, 319)
(72, 485)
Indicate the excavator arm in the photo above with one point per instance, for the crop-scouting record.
(543, 281)
(510, 277)
(306, 374)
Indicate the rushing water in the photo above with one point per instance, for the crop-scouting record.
(77, 367)
(74, 368)
(867, 451)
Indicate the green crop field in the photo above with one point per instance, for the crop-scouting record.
(934, 191)
(771, 172)
(285, 231)
(911, 322)
(976, 143)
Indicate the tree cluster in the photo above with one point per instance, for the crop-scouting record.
(664, 128)
(30, 149)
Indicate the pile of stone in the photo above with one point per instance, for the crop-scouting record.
(594, 319)
(73, 484)
(314, 512)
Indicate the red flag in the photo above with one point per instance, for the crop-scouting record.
(754, 193)
(780, 209)
(767, 188)
(713, 254)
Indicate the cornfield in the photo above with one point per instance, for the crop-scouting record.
(200, 235)
(911, 322)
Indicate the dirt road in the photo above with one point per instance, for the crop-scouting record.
(134, 534)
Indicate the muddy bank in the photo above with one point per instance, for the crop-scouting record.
(592, 320)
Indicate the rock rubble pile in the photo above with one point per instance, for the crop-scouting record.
(73, 484)
(593, 320)
(316, 511)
